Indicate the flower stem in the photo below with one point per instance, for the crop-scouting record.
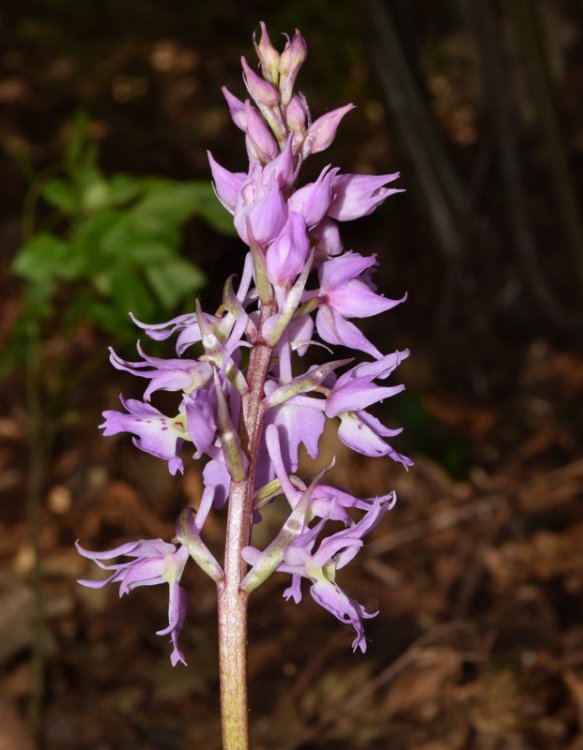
(232, 601)
(233, 628)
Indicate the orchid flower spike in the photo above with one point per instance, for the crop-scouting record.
(258, 378)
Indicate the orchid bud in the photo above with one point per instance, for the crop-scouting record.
(262, 207)
(282, 167)
(263, 92)
(268, 56)
(313, 200)
(290, 62)
(259, 137)
(236, 109)
(296, 114)
(227, 184)
(287, 254)
(322, 132)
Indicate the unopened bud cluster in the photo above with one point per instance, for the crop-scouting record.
(299, 291)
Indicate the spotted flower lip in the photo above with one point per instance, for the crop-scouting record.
(152, 431)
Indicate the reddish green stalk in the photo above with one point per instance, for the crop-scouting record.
(232, 601)
(233, 626)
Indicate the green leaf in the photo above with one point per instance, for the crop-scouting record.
(123, 240)
(47, 257)
(172, 281)
(129, 293)
(60, 194)
(108, 317)
(168, 205)
(210, 210)
(89, 238)
(123, 188)
(165, 207)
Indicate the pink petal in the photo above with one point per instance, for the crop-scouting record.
(322, 132)
(356, 300)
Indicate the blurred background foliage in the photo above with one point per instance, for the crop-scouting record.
(104, 246)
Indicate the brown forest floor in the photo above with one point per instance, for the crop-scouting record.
(478, 579)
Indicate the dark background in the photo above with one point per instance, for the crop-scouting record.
(478, 571)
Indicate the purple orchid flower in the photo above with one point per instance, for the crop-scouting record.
(320, 566)
(325, 501)
(342, 295)
(154, 561)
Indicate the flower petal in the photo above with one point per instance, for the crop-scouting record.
(322, 131)
(356, 300)
(358, 195)
(357, 396)
(333, 329)
(227, 184)
(337, 272)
